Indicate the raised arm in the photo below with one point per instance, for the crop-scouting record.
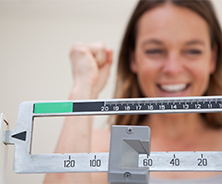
(90, 66)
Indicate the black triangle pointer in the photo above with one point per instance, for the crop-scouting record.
(21, 136)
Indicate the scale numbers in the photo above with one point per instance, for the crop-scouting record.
(104, 108)
(116, 108)
(69, 163)
(162, 107)
(138, 107)
(175, 161)
(147, 162)
(204, 104)
(197, 106)
(127, 108)
(202, 161)
(150, 106)
(186, 106)
(95, 162)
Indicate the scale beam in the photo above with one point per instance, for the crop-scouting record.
(207, 104)
(25, 162)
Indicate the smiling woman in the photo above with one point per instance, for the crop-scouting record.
(171, 48)
(177, 63)
(177, 46)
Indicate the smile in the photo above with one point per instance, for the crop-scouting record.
(172, 88)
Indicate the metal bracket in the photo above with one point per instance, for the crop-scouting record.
(4, 125)
(126, 143)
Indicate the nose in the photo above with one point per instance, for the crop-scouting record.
(172, 65)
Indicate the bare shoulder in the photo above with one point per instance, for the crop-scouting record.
(219, 139)
(100, 140)
(213, 140)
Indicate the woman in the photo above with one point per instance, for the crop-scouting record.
(171, 48)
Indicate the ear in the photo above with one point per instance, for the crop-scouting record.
(213, 59)
(133, 64)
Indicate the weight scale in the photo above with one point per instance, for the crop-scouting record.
(129, 159)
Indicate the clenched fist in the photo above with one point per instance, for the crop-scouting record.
(90, 65)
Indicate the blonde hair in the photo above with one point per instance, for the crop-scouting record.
(126, 82)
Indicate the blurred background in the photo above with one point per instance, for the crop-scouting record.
(35, 40)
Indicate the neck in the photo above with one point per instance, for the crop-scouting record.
(175, 132)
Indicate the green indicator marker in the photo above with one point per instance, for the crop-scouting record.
(53, 107)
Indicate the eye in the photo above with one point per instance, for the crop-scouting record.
(154, 51)
(194, 52)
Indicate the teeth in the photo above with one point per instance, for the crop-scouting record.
(173, 87)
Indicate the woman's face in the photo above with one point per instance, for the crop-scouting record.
(173, 55)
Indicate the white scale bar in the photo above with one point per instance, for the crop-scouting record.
(182, 161)
(98, 162)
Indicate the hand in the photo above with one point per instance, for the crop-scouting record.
(90, 65)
